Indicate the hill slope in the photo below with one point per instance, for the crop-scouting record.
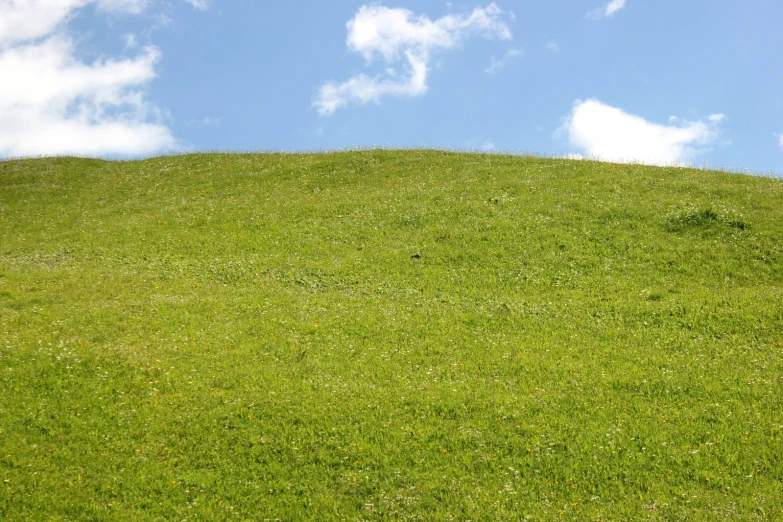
(388, 335)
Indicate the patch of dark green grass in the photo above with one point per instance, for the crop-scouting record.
(388, 335)
(702, 220)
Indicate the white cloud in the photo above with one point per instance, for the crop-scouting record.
(24, 20)
(131, 41)
(781, 141)
(201, 5)
(53, 103)
(607, 10)
(394, 35)
(498, 64)
(610, 134)
(614, 6)
(552, 46)
(204, 122)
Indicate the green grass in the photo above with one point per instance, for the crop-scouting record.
(382, 335)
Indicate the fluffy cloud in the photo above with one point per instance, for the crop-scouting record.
(607, 10)
(398, 35)
(53, 103)
(22, 20)
(781, 141)
(610, 134)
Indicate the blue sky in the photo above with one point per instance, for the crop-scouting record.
(665, 82)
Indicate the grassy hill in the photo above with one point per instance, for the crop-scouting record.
(388, 335)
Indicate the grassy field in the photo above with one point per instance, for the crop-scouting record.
(381, 335)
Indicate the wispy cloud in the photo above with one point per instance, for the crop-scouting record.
(610, 134)
(203, 122)
(499, 64)
(606, 10)
(398, 35)
(552, 46)
(58, 104)
(201, 5)
(131, 41)
(483, 144)
(25, 20)
(781, 141)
